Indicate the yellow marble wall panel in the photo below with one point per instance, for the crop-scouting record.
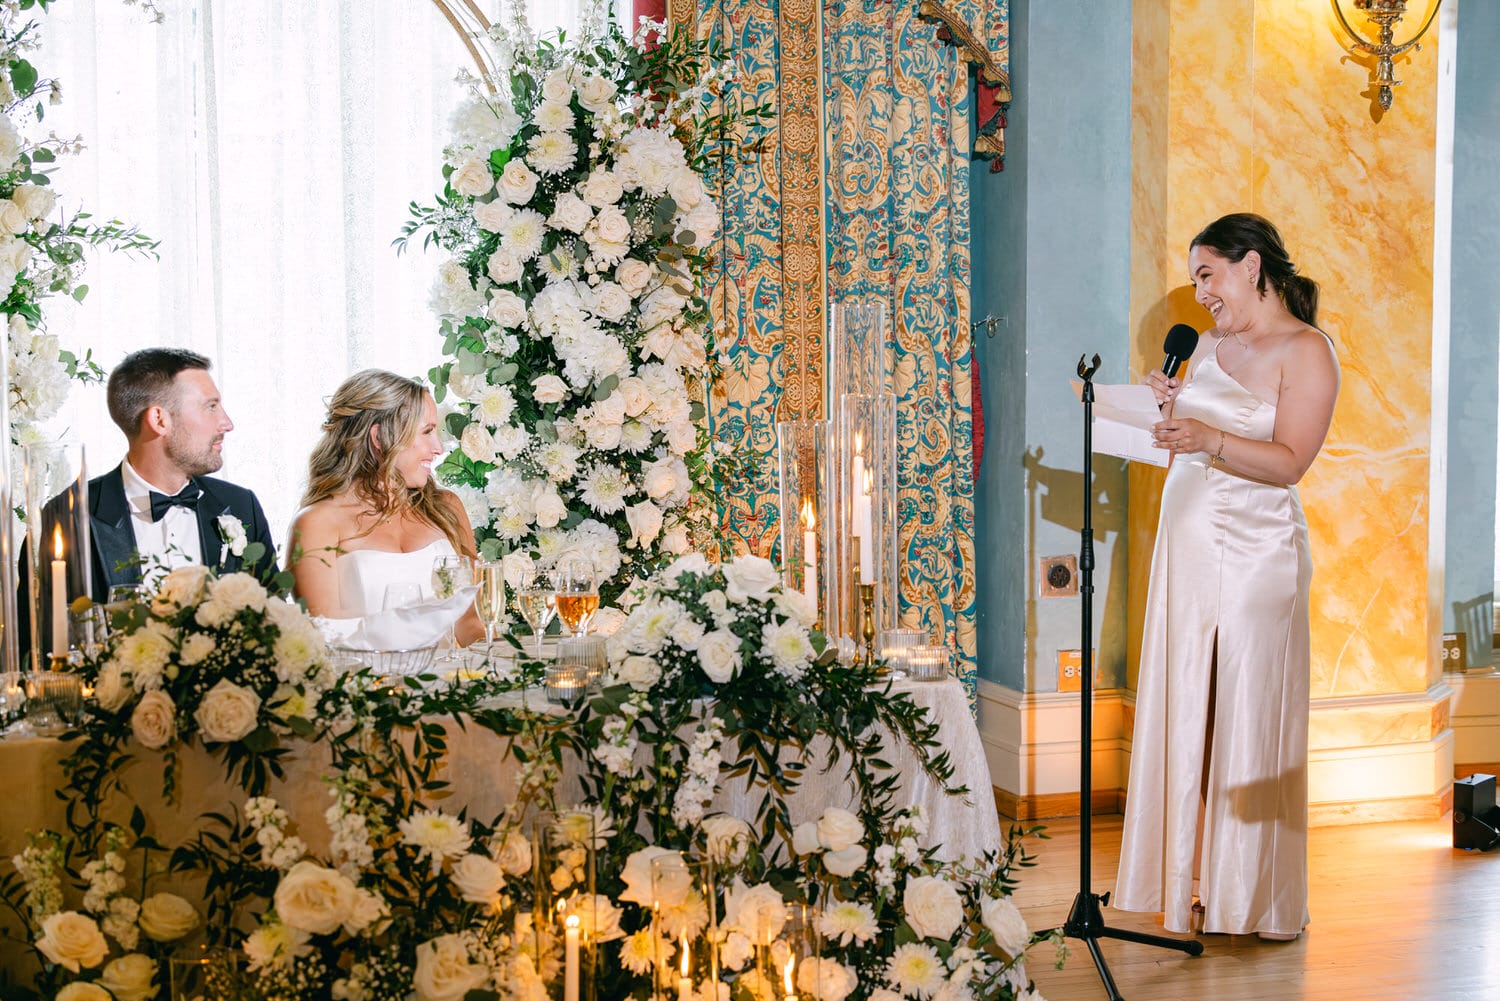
(1264, 114)
(1365, 726)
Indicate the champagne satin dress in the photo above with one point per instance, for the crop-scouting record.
(1222, 800)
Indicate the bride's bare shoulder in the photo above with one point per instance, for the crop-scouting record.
(330, 516)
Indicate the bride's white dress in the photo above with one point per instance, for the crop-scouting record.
(364, 575)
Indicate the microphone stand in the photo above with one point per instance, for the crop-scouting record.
(1086, 921)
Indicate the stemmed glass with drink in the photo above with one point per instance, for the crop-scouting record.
(450, 574)
(536, 600)
(490, 576)
(577, 594)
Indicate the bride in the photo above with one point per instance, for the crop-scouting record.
(372, 515)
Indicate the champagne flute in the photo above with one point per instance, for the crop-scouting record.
(449, 575)
(537, 603)
(491, 577)
(577, 594)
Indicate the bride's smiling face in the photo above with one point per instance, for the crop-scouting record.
(414, 462)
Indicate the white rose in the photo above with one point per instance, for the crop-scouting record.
(557, 86)
(517, 183)
(839, 829)
(314, 899)
(504, 267)
(82, 990)
(228, 712)
(637, 874)
(633, 275)
(110, 689)
(13, 217)
(238, 591)
(73, 941)
(477, 444)
(719, 655)
(477, 879)
(660, 480)
(675, 539)
(549, 505)
(130, 978)
(636, 394)
(596, 93)
(727, 838)
(548, 389)
(514, 854)
(933, 908)
(506, 309)
(639, 672)
(195, 648)
(570, 213)
(758, 913)
(750, 578)
(611, 225)
(36, 200)
(444, 972)
(847, 862)
(366, 909)
(805, 838)
(184, 586)
(685, 187)
(611, 302)
(492, 216)
(154, 721)
(472, 178)
(829, 980)
(645, 523)
(166, 917)
(1005, 922)
(601, 188)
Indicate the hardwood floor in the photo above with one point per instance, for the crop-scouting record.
(1397, 914)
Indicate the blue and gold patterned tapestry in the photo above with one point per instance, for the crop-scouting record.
(860, 192)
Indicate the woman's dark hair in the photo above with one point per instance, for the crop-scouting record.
(1235, 235)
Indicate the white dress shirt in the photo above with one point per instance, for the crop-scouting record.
(169, 543)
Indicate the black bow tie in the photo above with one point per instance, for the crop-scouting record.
(186, 497)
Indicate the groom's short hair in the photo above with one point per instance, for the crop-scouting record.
(143, 380)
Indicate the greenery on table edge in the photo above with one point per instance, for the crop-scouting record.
(387, 743)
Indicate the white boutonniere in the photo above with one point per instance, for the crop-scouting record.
(232, 531)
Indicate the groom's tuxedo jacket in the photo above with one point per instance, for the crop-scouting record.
(113, 538)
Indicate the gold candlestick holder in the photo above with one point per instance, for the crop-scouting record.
(867, 623)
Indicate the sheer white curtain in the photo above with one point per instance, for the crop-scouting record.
(273, 147)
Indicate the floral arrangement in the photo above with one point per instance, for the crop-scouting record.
(579, 227)
(41, 248)
(216, 657)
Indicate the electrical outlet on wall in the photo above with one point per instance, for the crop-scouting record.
(1058, 577)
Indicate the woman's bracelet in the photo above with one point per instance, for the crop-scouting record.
(1219, 455)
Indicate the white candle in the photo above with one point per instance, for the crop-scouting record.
(570, 959)
(856, 487)
(810, 554)
(685, 982)
(59, 594)
(791, 990)
(866, 543)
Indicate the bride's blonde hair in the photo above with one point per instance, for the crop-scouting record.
(348, 456)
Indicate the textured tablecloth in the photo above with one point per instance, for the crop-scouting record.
(483, 778)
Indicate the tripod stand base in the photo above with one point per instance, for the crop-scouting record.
(1086, 923)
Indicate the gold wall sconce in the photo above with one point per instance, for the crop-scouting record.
(1385, 15)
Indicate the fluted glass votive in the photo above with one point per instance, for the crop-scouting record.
(566, 684)
(587, 652)
(895, 646)
(927, 663)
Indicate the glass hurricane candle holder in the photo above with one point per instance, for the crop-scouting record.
(895, 645)
(807, 525)
(58, 551)
(928, 663)
(566, 684)
(685, 915)
(587, 652)
(569, 919)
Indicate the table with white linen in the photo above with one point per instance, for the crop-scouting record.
(482, 776)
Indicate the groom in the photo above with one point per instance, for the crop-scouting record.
(159, 507)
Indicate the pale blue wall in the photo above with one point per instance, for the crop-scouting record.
(1475, 329)
(1052, 254)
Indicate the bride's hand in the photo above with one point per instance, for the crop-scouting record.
(1184, 435)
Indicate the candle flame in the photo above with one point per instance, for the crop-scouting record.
(787, 975)
(809, 517)
(859, 442)
(572, 921)
(57, 546)
(869, 482)
(686, 960)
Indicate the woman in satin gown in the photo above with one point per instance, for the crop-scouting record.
(372, 514)
(1218, 768)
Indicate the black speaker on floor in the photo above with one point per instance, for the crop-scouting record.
(1476, 821)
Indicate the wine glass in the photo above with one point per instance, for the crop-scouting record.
(577, 594)
(401, 595)
(536, 600)
(491, 577)
(450, 574)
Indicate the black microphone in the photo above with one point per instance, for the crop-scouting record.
(1182, 341)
